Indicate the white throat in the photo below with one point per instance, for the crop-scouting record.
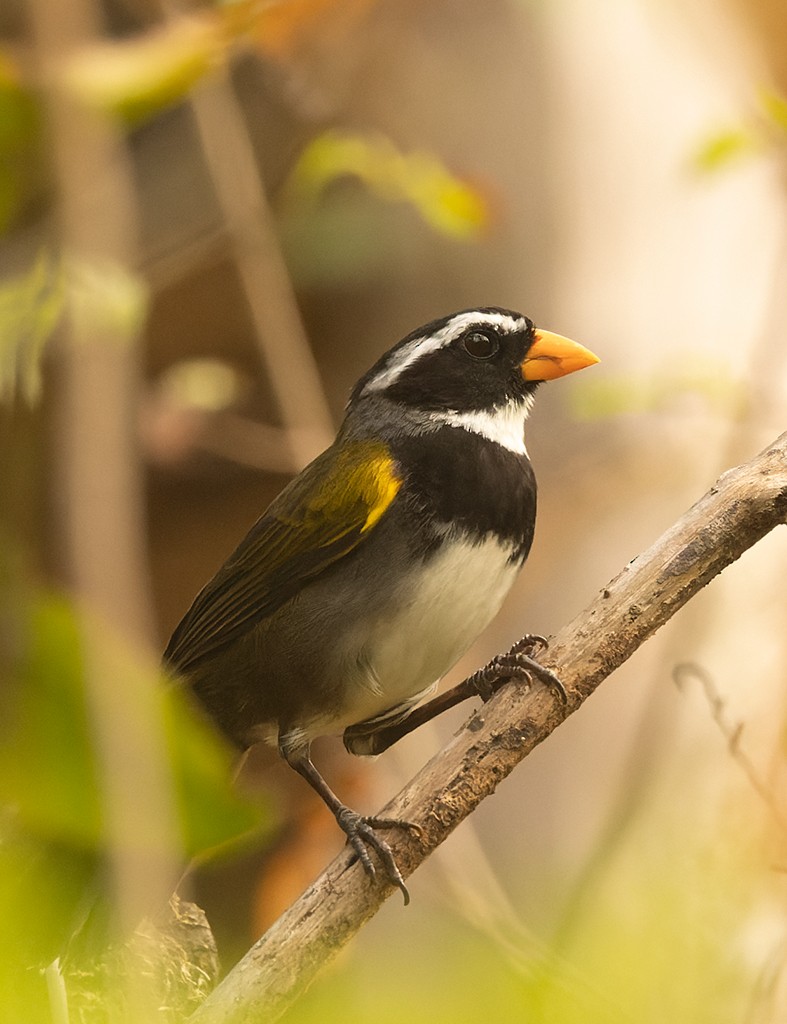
(505, 426)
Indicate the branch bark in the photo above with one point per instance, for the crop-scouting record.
(741, 508)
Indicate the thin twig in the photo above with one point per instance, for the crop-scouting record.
(269, 292)
(732, 732)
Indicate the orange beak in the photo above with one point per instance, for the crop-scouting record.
(552, 355)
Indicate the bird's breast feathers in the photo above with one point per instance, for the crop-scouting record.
(436, 616)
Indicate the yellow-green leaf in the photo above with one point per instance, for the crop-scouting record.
(624, 394)
(445, 201)
(135, 78)
(105, 299)
(31, 304)
(774, 106)
(51, 772)
(20, 141)
(718, 151)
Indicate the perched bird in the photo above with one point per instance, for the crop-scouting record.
(377, 567)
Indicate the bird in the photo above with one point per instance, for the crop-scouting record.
(377, 567)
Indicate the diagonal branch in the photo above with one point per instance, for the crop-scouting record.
(741, 508)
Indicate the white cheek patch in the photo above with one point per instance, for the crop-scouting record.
(420, 347)
(504, 426)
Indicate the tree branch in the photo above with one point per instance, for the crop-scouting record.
(741, 508)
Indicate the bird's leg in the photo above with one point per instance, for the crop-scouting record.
(518, 662)
(359, 828)
(370, 740)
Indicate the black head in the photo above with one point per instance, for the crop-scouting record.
(473, 360)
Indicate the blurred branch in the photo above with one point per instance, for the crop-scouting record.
(99, 476)
(732, 733)
(284, 347)
(740, 509)
(174, 951)
(246, 442)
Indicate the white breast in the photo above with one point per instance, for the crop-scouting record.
(441, 614)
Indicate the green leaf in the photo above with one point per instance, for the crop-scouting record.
(135, 78)
(774, 106)
(50, 772)
(44, 889)
(20, 138)
(622, 394)
(31, 305)
(105, 299)
(445, 201)
(212, 814)
(718, 151)
(58, 830)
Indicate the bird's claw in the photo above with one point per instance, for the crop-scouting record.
(361, 835)
(518, 662)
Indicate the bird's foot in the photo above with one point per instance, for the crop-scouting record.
(520, 662)
(361, 835)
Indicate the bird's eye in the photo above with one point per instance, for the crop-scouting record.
(480, 346)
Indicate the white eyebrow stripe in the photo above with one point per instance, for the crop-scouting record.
(405, 357)
(422, 346)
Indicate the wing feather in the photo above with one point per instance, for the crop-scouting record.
(325, 513)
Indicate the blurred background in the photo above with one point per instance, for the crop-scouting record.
(214, 218)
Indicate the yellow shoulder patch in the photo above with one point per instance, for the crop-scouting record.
(381, 489)
(361, 485)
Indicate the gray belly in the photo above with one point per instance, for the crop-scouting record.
(394, 657)
(349, 647)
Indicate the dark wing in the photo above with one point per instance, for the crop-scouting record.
(322, 515)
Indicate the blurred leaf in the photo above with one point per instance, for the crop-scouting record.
(349, 236)
(135, 78)
(48, 766)
(659, 921)
(212, 813)
(774, 106)
(629, 393)
(48, 769)
(50, 816)
(283, 27)
(723, 148)
(718, 151)
(43, 889)
(20, 125)
(449, 204)
(446, 202)
(105, 299)
(204, 384)
(30, 307)
(660, 929)
(54, 827)
(54, 839)
(102, 299)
